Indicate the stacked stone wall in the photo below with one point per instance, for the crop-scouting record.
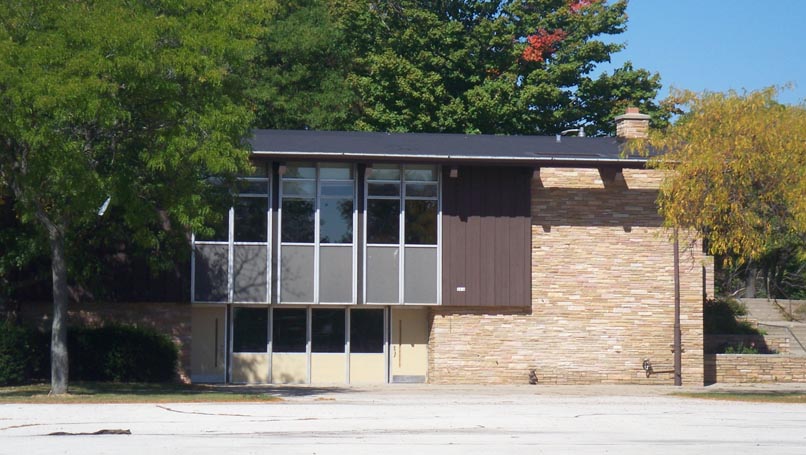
(751, 368)
(602, 293)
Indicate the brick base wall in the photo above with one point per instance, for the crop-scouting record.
(172, 319)
(602, 294)
(748, 368)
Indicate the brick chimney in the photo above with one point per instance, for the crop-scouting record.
(632, 125)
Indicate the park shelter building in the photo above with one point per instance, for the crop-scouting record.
(354, 257)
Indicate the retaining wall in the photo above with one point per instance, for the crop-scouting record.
(749, 368)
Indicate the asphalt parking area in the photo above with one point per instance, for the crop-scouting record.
(416, 419)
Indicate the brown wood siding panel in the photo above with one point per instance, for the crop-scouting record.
(453, 245)
(517, 261)
(472, 195)
(526, 237)
(498, 237)
(488, 225)
(486, 239)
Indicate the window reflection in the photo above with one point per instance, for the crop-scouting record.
(383, 221)
(366, 331)
(288, 330)
(421, 222)
(327, 330)
(251, 219)
(298, 220)
(300, 171)
(336, 221)
(250, 328)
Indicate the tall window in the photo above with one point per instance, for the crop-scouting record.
(402, 233)
(316, 233)
(231, 263)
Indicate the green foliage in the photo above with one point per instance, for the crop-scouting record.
(23, 354)
(719, 318)
(122, 354)
(737, 172)
(14, 347)
(777, 274)
(23, 261)
(136, 102)
(139, 101)
(741, 349)
(448, 66)
(301, 71)
(112, 353)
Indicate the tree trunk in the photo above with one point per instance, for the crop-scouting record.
(58, 343)
(750, 281)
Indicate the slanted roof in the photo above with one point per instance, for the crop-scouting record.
(438, 147)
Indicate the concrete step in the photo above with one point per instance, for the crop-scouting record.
(799, 331)
(764, 310)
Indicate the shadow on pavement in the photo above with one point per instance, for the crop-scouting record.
(287, 391)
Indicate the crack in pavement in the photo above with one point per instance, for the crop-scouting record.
(203, 413)
(21, 426)
(219, 414)
(95, 433)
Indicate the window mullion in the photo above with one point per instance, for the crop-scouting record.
(316, 234)
(230, 253)
(402, 239)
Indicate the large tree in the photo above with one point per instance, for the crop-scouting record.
(736, 174)
(131, 102)
(496, 67)
(301, 70)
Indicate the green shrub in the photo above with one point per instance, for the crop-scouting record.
(13, 348)
(23, 354)
(741, 349)
(113, 353)
(719, 318)
(122, 354)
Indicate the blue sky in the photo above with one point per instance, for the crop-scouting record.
(718, 45)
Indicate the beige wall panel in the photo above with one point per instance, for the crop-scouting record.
(409, 342)
(251, 368)
(328, 368)
(289, 368)
(207, 344)
(367, 369)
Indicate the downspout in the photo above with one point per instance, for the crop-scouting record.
(678, 358)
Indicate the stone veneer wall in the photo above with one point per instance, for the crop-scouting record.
(602, 293)
(172, 319)
(747, 368)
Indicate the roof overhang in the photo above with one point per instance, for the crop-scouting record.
(534, 151)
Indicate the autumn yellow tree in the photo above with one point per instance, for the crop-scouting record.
(736, 175)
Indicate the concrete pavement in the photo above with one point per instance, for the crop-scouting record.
(420, 419)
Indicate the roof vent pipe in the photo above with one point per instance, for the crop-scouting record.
(580, 132)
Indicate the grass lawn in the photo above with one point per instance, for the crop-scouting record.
(109, 392)
(757, 397)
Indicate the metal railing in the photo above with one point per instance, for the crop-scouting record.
(791, 333)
